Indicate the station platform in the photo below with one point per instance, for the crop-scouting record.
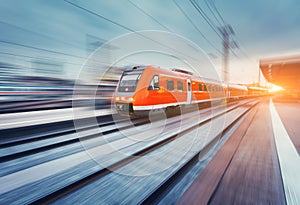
(289, 112)
(259, 164)
(23, 119)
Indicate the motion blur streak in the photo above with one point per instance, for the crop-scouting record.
(288, 157)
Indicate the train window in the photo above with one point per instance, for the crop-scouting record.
(154, 84)
(204, 87)
(170, 85)
(208, 87)
(180, 86)
(128, 82)
(200, 87)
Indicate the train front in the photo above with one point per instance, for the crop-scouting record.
(125, 91)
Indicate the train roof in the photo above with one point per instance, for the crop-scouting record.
(180, 72)
(136, 67)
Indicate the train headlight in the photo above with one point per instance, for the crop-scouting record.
(117, 98)
(161, 90)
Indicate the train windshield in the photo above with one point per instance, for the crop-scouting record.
(129, 82)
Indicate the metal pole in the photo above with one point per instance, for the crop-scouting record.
(225, 54)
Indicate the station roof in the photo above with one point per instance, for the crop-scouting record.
(282, 71)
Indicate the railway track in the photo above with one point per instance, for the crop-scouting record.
(32, 146)
(116, 158)
(33, 105)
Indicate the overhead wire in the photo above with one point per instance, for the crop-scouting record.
(40, 49)
(126, 28)
(206, 18)
(210, 23)
(165, 27)
(150, 16)
(194, 25)
(22, 29)
(213, 13)
(216, 9)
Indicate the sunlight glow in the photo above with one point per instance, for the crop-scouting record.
(275, 88)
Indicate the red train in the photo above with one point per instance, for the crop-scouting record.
(145, 88)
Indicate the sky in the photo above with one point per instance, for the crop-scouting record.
(65, 33)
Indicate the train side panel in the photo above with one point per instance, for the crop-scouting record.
(156, 88)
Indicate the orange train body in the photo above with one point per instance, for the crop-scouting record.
(145, 88)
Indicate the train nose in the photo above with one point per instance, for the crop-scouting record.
(124, 108)
(124, 105)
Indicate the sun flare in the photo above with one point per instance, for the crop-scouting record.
(275, 88)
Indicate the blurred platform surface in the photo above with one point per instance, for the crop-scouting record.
(259, 164)
(23, 119)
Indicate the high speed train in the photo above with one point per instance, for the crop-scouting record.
(145, 88)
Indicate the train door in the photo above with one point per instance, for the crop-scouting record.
(189, 91)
